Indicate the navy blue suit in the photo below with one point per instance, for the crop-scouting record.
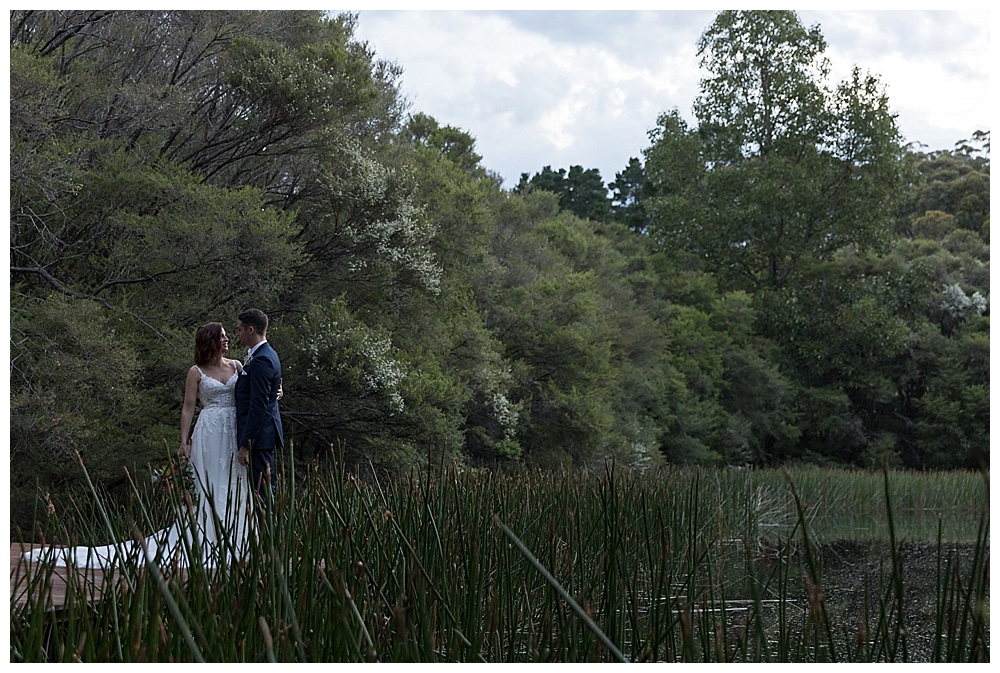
(258, 421)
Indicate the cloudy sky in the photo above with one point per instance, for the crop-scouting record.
(559, 88)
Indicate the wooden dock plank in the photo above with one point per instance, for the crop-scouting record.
(27, 580)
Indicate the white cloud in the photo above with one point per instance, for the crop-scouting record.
(936, 66)
(562, 88)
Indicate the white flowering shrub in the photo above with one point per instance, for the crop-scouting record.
(640, 458)
(979, 304)
(957, 304)
(340, 350)
(377, 226)
(505, 413)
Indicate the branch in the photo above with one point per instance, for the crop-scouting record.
(54, 282)
(153, 276)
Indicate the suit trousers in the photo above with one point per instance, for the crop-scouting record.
(262, 470)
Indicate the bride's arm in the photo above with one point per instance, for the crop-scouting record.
(187, 411)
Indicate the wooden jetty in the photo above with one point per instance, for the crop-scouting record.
(29, 579)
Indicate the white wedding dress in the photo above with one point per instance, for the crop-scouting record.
(221, 526)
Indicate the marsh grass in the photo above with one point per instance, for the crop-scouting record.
(845, 504)
(464, 565)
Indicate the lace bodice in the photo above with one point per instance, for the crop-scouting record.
(215, 394)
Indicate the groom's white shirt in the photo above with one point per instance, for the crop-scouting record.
(253, 349)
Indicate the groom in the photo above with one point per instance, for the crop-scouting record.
(258, 421)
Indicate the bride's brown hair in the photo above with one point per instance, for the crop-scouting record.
(208, 343)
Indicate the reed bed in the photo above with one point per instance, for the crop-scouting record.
(453, 564)
(850, 503)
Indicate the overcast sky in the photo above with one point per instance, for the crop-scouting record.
(559, 88)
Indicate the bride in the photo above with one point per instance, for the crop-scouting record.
(220, 526)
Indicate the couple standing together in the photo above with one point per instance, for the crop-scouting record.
(239, 416)
(237, 432)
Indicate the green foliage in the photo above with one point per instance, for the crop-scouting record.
(76, 386)
(933, 225)
(630, 190)
(346, 378)
(580, 191)
(779, 170)
(786, 189)
(458, 394)
(454, 145)
(778, 282)
(172, 168)
(955, 183)
(765, 92)
(954, 410)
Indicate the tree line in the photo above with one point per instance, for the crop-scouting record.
(781, 280)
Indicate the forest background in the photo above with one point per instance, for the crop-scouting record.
(781, 281)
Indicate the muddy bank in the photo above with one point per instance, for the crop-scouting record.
(850, 569)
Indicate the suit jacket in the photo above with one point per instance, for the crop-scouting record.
(258, 421)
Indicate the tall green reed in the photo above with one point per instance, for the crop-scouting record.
(671, 565)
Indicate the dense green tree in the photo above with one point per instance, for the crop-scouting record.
(952, 419)
(630, 190)
(76, 386)
(955, 183)
(868, 337)
(788, 190)
(779, 168)
(840, 337)
(170, 168)
(590, 376)
(459, 374)
(580, 191)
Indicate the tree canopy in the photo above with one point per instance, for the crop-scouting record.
(580, 191)
(779, 281)
(780, 168)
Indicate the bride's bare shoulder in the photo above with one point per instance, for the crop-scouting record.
(235, 363)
